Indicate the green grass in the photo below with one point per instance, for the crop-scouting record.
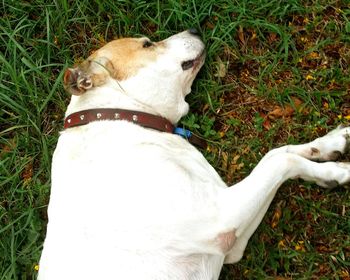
(277, 72)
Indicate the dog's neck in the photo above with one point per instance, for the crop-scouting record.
(114, 95)
(105, 97)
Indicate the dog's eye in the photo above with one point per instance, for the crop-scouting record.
(187, 64)
(147, 44)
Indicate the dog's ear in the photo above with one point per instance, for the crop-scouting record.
(76, 81)
(91, 73)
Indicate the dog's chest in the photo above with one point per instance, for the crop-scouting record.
(120, 180)
(147, 196)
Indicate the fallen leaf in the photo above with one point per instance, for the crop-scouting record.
(276, 217)
(267, 124)
(241, 35)
(209, 25)
(287, 110)
(314, 55)
(281, 244)
(323, 249)
(324, 269)
(309, 77)
(345, 275)
(272, 37)
(224, 162)
(221, 68)
(279, 112)
(7, 148)
(230, 165)
(27, 173)
(254, 36)
(300, 246)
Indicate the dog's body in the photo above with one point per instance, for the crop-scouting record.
(129, 202)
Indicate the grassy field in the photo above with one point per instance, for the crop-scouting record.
(277, 72)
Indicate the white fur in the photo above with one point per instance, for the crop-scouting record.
(134, 203)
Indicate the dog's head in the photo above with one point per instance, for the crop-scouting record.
(157, 75)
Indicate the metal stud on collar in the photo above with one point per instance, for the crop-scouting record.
(82, 117)
(135, 118)
(98, 115)
(117, 116)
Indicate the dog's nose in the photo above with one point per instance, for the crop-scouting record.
(193, 31)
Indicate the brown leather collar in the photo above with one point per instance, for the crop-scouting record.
(140, 118)
(143, 119)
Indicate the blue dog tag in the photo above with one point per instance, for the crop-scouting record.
(182, 132)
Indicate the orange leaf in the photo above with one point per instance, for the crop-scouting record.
(279, 112)
(27, 173)
(267, 124)
(272, 37)
(5, 149)
(276, 217)
(287, 110)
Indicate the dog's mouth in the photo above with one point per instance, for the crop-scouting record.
(194, 63)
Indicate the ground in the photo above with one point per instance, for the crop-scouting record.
(277, 72)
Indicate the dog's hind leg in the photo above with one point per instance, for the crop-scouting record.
(244, 204)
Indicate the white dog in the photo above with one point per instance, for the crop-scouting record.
(132, 200)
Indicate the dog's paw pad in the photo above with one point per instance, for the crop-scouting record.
(331, 184)
(335, 155)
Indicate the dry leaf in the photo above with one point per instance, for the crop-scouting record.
(281, 244)
(241, 35)
(276, 217)
(309, 77)
(27, 173)
(300, 246)
(279, 112)
(7, 148)
(314, 55)
(272, 37)
(286, 111)
(267, 124)
(221, 68)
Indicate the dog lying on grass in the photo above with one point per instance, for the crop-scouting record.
(131, 199)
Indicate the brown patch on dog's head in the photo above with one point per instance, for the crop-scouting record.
(128, 55)
(118, 59)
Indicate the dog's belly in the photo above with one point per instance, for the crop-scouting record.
(139, 203)
(90, 264)
(96, 259)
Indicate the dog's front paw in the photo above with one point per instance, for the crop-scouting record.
(333, 174)
(331, 146)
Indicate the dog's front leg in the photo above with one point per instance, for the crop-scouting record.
(244, 204)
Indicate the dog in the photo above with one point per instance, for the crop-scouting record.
(131, 199)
